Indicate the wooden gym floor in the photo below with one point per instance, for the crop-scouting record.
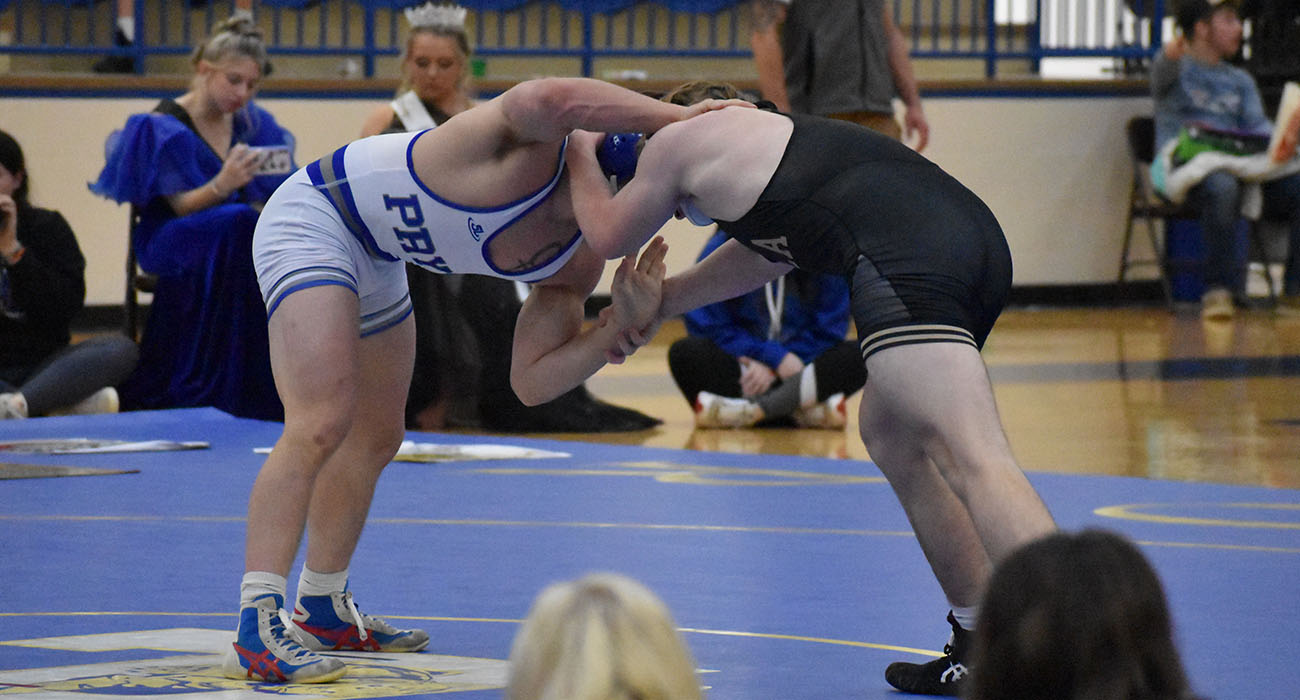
(1120, 391)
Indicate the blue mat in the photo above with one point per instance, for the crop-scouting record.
(794, 577)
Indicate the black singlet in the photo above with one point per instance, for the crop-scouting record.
(919, 249)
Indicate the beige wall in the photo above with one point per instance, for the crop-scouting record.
(1054, 170)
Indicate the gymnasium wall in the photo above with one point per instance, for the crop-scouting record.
(1051, 163)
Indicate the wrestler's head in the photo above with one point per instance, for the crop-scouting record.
(688, 94)
(617, 155)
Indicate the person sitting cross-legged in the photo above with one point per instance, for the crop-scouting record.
(776, 356)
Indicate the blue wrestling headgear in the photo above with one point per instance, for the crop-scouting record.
(617, 156)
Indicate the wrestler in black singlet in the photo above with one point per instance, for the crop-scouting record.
(925, 258)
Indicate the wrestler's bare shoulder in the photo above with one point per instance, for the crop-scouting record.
(476, 158)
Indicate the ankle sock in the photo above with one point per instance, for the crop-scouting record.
(315, 583)
(259, 583)
(966, 617)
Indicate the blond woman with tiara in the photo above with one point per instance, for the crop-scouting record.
(463, 324)
(601, 637)
(435, 83)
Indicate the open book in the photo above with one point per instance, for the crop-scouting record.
(1286, 130)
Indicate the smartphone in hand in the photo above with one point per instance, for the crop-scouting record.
(275, 160)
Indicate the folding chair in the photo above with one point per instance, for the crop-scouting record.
(137, 281)
(1147, 205)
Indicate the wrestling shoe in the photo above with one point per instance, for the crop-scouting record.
(333, 623)
(831, 414)
(713, 411)
(946, 675)
(262, 651)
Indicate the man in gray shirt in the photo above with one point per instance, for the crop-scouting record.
(1192, 82)
(844, 59)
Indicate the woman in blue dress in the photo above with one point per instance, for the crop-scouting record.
(196, 171)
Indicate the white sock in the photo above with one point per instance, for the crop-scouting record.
(315, 583)
(808, 387)
(14, 404)
(257, 584)
(127, 26)
(965, 617)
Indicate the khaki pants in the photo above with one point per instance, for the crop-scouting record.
(876, 121)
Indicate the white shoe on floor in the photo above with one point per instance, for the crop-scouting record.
(713, 411)
(103, 401)
(1216, 304)
(831, 414)
(13, 405)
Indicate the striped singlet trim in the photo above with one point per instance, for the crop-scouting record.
(297, 280)
(386, 317)
(911, 335)
(329, 177)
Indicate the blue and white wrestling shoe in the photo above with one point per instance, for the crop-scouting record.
(264, 652)
(333, 623)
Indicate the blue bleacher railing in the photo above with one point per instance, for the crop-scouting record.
(988, 31)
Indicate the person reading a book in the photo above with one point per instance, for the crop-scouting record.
(1195, 86)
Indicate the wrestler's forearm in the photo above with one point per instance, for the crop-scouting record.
(553, 352)
(548, 108)
(728, 272)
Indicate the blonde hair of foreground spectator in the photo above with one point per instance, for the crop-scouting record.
(1076, 617)
(602, 637)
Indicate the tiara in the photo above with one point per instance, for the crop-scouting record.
(440, 16)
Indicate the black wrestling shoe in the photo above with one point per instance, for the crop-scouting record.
(945, 675)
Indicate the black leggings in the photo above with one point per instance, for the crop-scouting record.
(698, 364)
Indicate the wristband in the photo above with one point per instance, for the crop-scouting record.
(213, 184)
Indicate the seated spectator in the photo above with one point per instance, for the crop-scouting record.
(1192, 82)
(435, 84)
(465, 326)
(42, 286)
(774, 356)
(197, 170)
(1076, 617)
(602, 637)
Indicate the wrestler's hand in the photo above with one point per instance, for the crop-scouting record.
(755, 377)
(584, 141)
(635, 296)
(710, 105)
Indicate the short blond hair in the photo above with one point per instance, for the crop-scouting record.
(602, 637)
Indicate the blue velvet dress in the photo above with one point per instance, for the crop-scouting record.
(205, 342)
